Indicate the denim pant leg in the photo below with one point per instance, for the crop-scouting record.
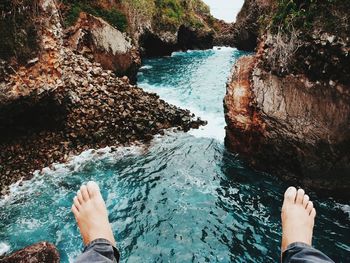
(299, 252)
(99, 251)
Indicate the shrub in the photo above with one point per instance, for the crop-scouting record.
(328, 15)
(170, 12)
(173, 13)
(113, 16)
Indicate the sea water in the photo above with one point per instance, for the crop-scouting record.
(183, 198)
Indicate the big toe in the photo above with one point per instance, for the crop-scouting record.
(93, 189)
(290, 194)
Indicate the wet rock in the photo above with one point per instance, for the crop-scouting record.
(189, 38)
(163, 43)
(42, 252)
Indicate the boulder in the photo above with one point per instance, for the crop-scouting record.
(107, 45)
(42, 252)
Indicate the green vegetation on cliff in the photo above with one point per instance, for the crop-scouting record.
(165, 15)
(113, 16)
(327, 15)
(170, 14)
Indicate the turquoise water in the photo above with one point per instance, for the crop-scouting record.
(183, 198)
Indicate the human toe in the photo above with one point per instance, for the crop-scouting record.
(290, 194)
(93, 188)
(306, 200)
(84, 192)
(300, 196)
(80, 197)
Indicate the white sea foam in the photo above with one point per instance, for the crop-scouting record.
(220, 48)
(214, 129)
(74, 164)
(216, 121)
(146, 67)
(4, 248)
(345, 208)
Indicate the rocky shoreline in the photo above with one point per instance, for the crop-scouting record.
(62, 104)
(40, 129)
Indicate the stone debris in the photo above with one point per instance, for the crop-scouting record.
(65, 103)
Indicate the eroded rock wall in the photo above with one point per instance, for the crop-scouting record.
(159, 28)
(244, 33)
(287, 109)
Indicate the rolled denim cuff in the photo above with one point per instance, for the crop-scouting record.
(102, 242)
(302, 252)
(298, 244)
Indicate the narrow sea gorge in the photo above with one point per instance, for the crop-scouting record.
(182, 198)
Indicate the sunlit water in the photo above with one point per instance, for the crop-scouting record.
(183, 198)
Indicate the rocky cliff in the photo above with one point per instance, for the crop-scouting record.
(244, 33)
(170, 25)
(113, 33)
(157, 28)
(287, 107)
(96, 39)
(62, 103)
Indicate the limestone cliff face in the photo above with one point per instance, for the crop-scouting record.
(288, 109)
(105, 44)
(244, 33)
(157, 28)
(113, 33)
(190, 26)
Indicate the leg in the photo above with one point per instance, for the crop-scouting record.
(298, 218)
(91, 215)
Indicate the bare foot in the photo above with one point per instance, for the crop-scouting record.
(298, 217)
(91, 214)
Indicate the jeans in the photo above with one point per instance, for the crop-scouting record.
(101, 251)
(299, 252)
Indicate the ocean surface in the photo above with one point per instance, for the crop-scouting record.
(183, 198)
